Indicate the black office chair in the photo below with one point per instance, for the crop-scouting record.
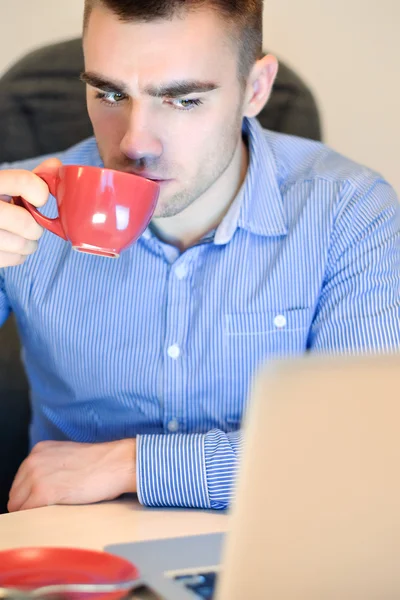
(43, 110)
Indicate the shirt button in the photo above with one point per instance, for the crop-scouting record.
(173, 426)
(174, 351)
(280, 321)
(181, 271)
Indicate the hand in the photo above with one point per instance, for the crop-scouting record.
(71, 473)
(19, 232)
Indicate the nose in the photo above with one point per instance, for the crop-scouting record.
(140, 141)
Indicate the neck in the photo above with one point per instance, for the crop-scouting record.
(205, 214)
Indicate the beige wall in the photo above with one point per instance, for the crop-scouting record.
(26, 24)
(349, 53)
(347, 50)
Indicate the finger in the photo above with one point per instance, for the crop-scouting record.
(19, 495)
(15, 244)
(32, 502)
(11, 260)
(17, 219)
(35, 499)
(18, 182)
(50, 165)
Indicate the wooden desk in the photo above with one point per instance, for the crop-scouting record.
(94, 526)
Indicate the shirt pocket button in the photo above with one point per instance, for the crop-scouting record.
(280, 321)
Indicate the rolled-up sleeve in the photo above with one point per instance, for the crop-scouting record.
(191, 471)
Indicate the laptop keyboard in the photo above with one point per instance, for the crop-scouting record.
(201, 584)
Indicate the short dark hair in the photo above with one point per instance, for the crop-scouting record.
(244, 16)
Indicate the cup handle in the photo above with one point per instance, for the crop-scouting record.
(53, 225)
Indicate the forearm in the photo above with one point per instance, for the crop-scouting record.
(192, 470)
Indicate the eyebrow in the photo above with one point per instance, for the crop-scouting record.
(175, 89)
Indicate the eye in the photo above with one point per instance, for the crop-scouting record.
(110, 98)
(186, 105)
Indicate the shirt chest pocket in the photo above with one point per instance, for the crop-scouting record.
(251, 339)
(276, 323)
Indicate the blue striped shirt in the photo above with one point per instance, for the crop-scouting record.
(162, 346)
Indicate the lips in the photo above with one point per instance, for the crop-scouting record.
(148, 176)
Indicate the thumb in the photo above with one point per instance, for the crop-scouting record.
(48, 172)
(50, 165)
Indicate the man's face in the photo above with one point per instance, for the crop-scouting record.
(146, 117)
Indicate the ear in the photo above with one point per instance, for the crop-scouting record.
(259, 85)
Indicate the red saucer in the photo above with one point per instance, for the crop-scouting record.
(30, 568)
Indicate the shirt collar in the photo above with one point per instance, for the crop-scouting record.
(258, 207)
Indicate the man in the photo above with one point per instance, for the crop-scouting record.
(261, 245)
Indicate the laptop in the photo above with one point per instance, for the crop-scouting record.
(316, 514)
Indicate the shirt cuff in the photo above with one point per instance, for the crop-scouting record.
(222, 453)
(171, 471)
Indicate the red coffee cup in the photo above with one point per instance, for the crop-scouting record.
(101, 211)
